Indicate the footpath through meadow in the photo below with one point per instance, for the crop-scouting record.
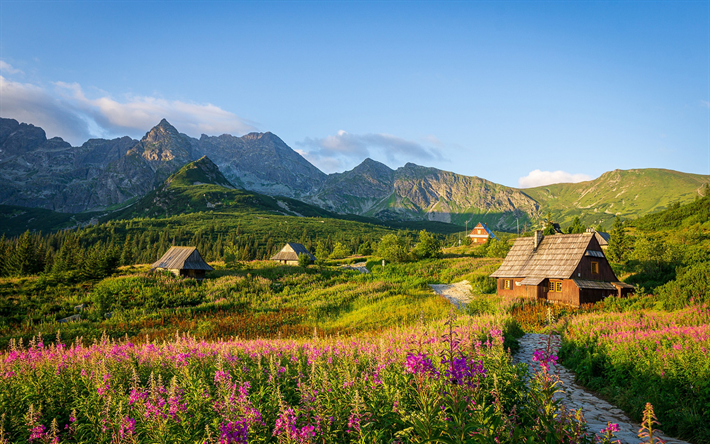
(597, 412)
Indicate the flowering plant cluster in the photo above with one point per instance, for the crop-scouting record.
(656, 356)
(447, 383)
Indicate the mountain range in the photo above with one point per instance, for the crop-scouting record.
(108, 175)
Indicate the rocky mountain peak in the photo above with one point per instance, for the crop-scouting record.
(163, 143)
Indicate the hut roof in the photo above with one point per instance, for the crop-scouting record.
(602, 238)
(556, 257)
(290, 252)
(182, 258)
(594, 285)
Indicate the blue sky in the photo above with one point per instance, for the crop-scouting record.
(520, 93)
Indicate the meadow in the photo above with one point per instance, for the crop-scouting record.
(446, 381)
(256, 299)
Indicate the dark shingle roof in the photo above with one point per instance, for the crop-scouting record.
(182, 258)
(290, 252)
(556, 257)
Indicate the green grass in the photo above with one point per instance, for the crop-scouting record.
(258, 299)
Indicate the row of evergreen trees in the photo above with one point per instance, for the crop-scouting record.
(94, 252)
(62, 254)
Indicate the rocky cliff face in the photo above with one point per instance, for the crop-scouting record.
(102, 173)
(263, 163)
(49, 173)
(414, 192)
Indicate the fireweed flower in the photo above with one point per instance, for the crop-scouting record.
(459, 371)
(542, 357)
(234, 432)
(419, 364)
(127, 428)
(286, 426)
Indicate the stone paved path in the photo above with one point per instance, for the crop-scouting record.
(596, 411)
(458, 294)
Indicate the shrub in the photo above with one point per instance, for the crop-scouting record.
(304, 260)
(393, 248)
(428, 246)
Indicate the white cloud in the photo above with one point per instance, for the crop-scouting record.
(538, 178)
(66, 111)
(9, 69)
(705, 103)
(344, 150)
(32, 104)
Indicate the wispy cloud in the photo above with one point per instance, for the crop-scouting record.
(705, 103)
(65, 110)
(32, 104)
(9, 69)
(538, 178)
(344, 150)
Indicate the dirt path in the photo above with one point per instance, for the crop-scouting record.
(458, 294)
(596, 411)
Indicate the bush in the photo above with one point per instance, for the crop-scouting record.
(692, 285)
(340, 251)
(304, 260)
(497, 248)
(428, 246)
(393, 248)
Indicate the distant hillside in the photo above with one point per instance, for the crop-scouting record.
(627, 193)
(677, 216)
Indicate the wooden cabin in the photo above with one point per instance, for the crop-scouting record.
(565, 268)
(183, 261)
(480, 234)
(290, 252)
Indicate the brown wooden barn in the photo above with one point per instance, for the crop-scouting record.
(480, 234)
(289, 254)
(564, 268)
(183, 261)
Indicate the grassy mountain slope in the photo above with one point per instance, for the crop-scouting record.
(627, 193)
(15, 220)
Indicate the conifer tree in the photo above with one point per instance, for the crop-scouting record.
(127, 252)
(617, 249)
(23, 260)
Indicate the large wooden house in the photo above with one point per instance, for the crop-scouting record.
(564, 268)
(183, 261)
(290, 252)
(480, 234)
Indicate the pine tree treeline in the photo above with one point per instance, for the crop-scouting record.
(60, 254)
(96, 251)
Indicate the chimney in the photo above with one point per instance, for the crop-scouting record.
(537, 239)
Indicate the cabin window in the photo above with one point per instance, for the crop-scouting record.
(555, 286)
(551, 286)
(507, 284)
(595, 267)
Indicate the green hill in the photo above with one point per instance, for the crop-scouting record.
(629, 194)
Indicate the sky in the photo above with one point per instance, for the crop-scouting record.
(522, 93)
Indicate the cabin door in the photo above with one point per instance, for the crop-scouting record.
(531, 291)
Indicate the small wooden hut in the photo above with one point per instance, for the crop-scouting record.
(480, 234)
(183, 261)
(565, 268)
(290, 252)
